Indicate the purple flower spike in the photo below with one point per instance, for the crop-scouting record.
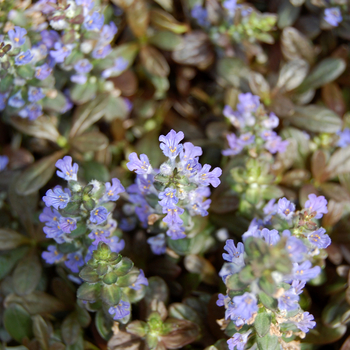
(51, 255)
(94, 22)
(67, 224)
(98, 215)
(57, 198)
(141, 280)
(289, 300)
(317, 204)
(4, 160)
(319, 238)
(306, 322)
(238, 341)
(112, 191)
(120, 311)
(68, 172)
(157, 244)
(285, 208)
(205, 178)
(168, 198)
(170, 144)
(140, 166)
(235, 255)
(344, 138)
(99, 236)
(176, 232)
(74, 261)
(24, 58)
(173, 216)
(17, 36)
(333, 16)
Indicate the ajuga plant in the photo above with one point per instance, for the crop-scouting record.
(234, 115)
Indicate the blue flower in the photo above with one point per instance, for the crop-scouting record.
(42, 72)
(235, 255)
(68, 172)
(235, 146)
(289, 300)
(24, 58)
(74, 261)
(4, 160)
(51, 218)
(31, 111)
(99, 215)
(3, 98)
(101, 52)
(78, 79)
(16, 100)
(248, 103)
(176, 232)
(57, 198)
(344, 138)
(94, 22)
(83, 66)
(238, 341)
(49, 38)
(141, 280)
(17, 36)
(333, 16)
(108, 32)
(140, 166)
(120, 311)
(199, 208)
(35, 94)
(116, 244)
(285, 208)
(253, 231)
(303, 272)
(190, 152)
(306, 322)
(51, 255)
(319, 238)
(270, 209)
(296, 249)
(244, 307)
(172, 218)
(168, 198)
(317, 205)
(67, 224)
(271, 237)
(235, 118)
(246, 139)
(229, 269)
(275, 144)
(222, 299)
(170, 144)
(120, 64)
(268, 135)
(230, 6)
(113, 190)
(205, 178)
(157, 244)
(200, 14)
(144, 183)
(99, 236)
(298, 286)
(61, 52)
(271, 122)
(53, 230)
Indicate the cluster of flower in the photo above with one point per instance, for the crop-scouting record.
(333, 16)
(76, 42)
(254, 125)
(80, 217)
(181, 185)
(299, 242)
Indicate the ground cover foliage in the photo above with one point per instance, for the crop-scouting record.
(174, 174)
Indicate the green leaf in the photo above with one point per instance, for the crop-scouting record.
(41, 332)
(26, 71)
(123, 267)
(268, 342)
(234, 283)
(262, 323)
(10, 239)
(154, 62)
(111, 294)
(269, 302)
(292, 74)
(89, 292)
(38, 174)
(27, 275)
(90, 141)
(55, 104)
(166, 4)
(325, 72)
(267, 284)
(137, 15)
(83, 316)
(88, 274)
(116, 108)
(103, 325)
(232, 69)
(82, 93)
(164, 20)
(129, 279)
(316, 119)
(9, 259)
(70, 329)
(322, 334)
(123, 340)
(339, 163)
(166, 40)
(18, 322)
(95, 171)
